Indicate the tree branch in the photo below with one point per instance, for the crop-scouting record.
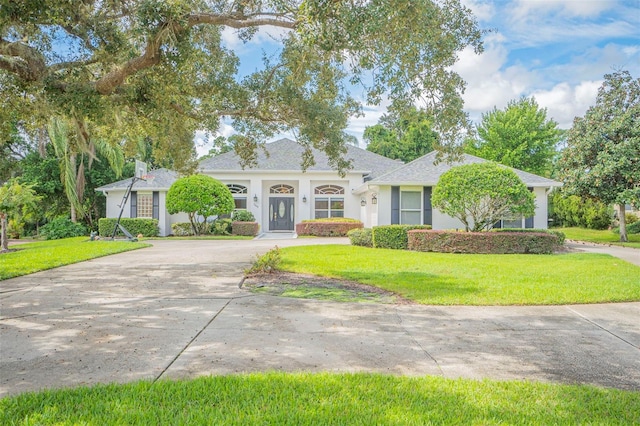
(242, 21)
(20, 59)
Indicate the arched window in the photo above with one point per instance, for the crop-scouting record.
(329, 189)
(239, 195)
(237, 189)
(281, 189)
(328, 201)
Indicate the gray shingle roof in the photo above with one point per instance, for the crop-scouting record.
(286, 155)
(162, 179)
(423, 171)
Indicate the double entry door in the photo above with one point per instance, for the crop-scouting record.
(281, 214)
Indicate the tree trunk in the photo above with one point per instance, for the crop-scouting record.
(74, 216)
(623, 223)
(4, 242)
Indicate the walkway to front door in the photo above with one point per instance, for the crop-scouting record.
(281, 214)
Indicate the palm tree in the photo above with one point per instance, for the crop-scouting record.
(73, 147)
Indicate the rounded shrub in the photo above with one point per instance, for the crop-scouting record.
(62, 227)
(361, 237)
(242, 216)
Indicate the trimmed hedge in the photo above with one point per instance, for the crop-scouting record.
(483, 242)
(327, 228)
(361, 237)
(182, 229)
(135, 226)
(393, 236)
(333, 219)
(560, 235)
(245, 228)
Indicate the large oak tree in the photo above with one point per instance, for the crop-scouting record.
(126, 70)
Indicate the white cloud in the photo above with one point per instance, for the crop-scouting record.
(489, 83)
(581, 8)
(564, 102)
(484, 11)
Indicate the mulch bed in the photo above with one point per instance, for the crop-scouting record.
(277, 283)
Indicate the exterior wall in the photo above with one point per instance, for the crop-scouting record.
(541, 217)
(443, 221)
(259, 184)
(114, 198)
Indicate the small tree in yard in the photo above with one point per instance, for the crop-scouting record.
(602, 158)
(481, 194)
(200, 197)
(15, 199)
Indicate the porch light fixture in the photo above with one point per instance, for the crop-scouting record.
(255, 198)
(363, 202)
(374, 198)
(304, 198)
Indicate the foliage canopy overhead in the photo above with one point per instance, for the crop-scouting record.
(125, 70)
(481, 194)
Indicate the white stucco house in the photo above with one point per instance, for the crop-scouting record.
(376, 190)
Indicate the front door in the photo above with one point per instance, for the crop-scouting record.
(281, 214)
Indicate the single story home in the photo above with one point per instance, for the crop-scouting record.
(376, 190)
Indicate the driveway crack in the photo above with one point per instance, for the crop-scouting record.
(602, 328)
(415, 342)
(191, 341)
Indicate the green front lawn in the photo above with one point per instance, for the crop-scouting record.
(599, 237)
(33, 257)
(474, 279)
(323, 399)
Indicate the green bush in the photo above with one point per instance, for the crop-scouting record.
(393, 236)
(135, 226)
(631, 218)
(62, 227)
(361, 237)
(334, 227)
(634, 228)
(483, 242)
(249, 229)
(575, 211)
(182, 229)
(221, 227)
(267, 263)
(242, 216)
(560, 235)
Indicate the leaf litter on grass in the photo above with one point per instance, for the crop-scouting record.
(303, 286)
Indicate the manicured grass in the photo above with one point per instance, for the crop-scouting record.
(600, 237)
(474, 279)
(322, 399)
(33, 257)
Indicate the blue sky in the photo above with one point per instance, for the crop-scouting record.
(555, 50)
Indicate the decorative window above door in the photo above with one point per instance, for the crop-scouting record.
(281, 189)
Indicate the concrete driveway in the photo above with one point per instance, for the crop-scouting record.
(175, 310)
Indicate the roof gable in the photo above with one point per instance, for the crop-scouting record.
(286, 155)
(159, 179)
(424, 171)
